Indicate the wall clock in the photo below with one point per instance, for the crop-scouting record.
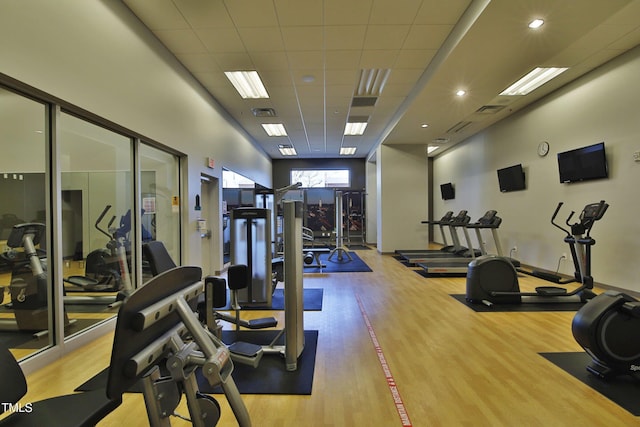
(543, 148)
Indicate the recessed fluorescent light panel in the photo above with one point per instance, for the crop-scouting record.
(347, 151)
(247, 83)
(432, 148)
(287, 150)
(274, 129)
(533, 80)
(355, 128)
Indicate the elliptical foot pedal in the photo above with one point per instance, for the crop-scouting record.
(550, 290)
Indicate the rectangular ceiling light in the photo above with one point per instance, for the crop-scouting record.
(247, 83)
(355, 128)
(432, 148)
(533, 80)
(347, 151)
(372, 81)
(274, 129)
(287, 150)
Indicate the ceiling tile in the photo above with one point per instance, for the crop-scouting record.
(381, 37)
(349, 37)
(204, 14)
(441, 12)
(261, 39)
(270, 61)
(299, 12)
(220, 40)
(158, 15)
(234, 61)
(352, 12)
(390, 12)
(181, 41)
(426, 36)
(303, 38)
(252, 13)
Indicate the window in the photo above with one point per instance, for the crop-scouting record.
(231, 179)
(322, 178)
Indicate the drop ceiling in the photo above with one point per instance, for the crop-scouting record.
(310, 55)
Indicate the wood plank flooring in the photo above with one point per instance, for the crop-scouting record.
(452, 366)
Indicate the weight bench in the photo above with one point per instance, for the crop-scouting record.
(151, 333)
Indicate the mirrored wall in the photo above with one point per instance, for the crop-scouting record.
(26, 309)
(108, 208)
(98, 245)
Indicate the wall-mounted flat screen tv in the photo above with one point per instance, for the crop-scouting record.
(583, 164)
(447, 191)
(511, 178)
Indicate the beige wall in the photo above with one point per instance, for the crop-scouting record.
(602, 106)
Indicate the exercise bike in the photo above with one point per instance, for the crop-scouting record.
(494, 279)
(608, 328)
(28, 286)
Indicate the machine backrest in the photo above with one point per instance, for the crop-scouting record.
(238, 277)
(129, 340)
(14, 384)
(158, 257)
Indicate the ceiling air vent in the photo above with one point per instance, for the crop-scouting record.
(458, 127)
(364, 101)
(264, 112)
(490, 109)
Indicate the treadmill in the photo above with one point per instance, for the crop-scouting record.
(460, 265)
(457, 251)
(445, 220)
(448, 251)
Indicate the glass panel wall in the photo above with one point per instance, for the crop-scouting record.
(159, 199)
(25, 290)
(97, 232)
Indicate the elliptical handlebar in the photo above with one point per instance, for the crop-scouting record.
(555, 214)
(99, 220)
(589, 215)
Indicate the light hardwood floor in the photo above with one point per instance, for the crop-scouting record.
(452, 366)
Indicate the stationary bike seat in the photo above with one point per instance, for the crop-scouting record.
(550, 290)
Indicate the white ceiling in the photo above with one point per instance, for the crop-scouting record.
(432, 47)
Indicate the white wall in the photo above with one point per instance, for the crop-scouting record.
(371, 201)
(402, 185)
(97, 56)
(602, 106)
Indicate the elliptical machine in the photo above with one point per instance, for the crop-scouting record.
(608, 328)
(494, 280)
(107, 269)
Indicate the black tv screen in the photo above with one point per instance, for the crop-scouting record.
(447, 191)
(583, 164)
(511, 178)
